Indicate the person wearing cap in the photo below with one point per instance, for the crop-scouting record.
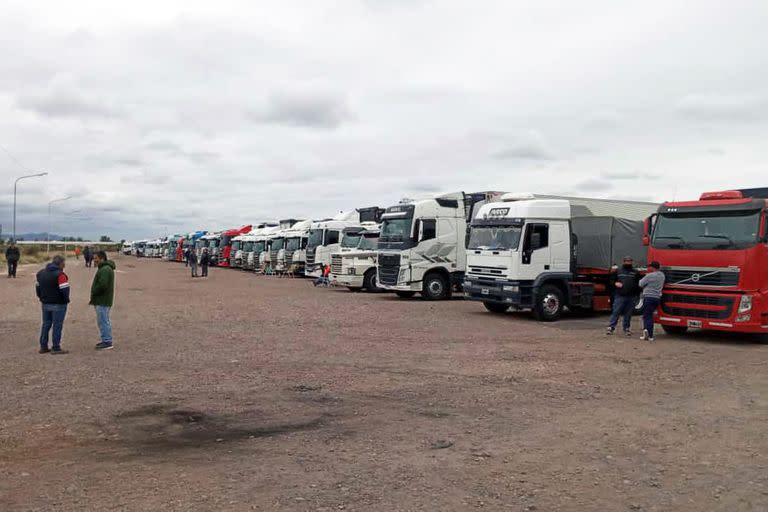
(652, 285)
(625, 282)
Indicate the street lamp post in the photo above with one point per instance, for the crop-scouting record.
(48, 234)
(14, 196)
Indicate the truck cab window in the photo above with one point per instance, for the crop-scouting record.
(536, 237)
(332, 238)
(429, 229)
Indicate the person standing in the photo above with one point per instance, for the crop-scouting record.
(102, 297)
(652, 285)
(77, 253)
(87, 255)
(193, 262)
(52, 288)
(205, 260)
(626, 291)
(12, 257)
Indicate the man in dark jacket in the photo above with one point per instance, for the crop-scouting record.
(12, 257)
(102, 297)
(205, 260)
(52, 288)
(625, 282)
(88, 255)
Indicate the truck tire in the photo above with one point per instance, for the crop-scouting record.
(405, 295)
(549, 304)
(369, 282)
(495, 307)
(678, 330)
(436, 287)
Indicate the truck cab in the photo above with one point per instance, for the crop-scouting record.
(236, 253)
(714, 254)
(225, 243)
(211, 242)
(261, 247)
(550, 254)
(422, 245)
(293, 257)
(355, 265)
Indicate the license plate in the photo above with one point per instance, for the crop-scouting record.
(694, 323)
(485, 291)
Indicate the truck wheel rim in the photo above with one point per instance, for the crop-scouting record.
(551, 304)
(435, 287)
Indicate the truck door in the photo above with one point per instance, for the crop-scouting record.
(536, 253)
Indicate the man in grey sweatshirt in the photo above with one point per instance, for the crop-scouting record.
(652, 285)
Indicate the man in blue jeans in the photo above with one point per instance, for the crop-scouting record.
(652, 285)
(625, 281)
(52, 288)
(102, 297)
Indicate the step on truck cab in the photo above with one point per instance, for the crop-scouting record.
(225, 243)
(422, 245)
(293, 257)
(355, 265)
(548, 253)
(714, 254)
(326, 236)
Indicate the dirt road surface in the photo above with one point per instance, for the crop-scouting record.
(250, 393)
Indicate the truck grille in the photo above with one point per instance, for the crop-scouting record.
(701, 276)
(389, 260)
(697, 306)
(273, 257)
(482, 271)
(336, 266)
(288, 258)
(310, 257)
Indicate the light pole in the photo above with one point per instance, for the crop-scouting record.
(48, 234)
(14, 196)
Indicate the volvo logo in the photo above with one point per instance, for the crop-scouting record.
(695, 278)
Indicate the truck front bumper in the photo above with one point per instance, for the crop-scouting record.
(498, 291)
(349, 280)
(712, 311)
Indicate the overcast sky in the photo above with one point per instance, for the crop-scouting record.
(185, 115)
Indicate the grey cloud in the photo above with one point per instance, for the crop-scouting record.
(325, 110)
(145, 178)
(723, 107)
(523, 151)
(164, 146)
(63, 101)
(176, 150)
(604, 119)
(130, 161)
(594, 184)
(618, 175)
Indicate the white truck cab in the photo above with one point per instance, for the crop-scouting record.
(211, 242)
(355, 265)
(293, 257)
(262, 246)
(422, 246)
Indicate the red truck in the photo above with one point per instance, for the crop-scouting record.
(714, 253)
(225, 246)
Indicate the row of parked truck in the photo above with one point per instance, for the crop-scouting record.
(542, 253)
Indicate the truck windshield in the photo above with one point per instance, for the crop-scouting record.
(236, 245)
(315, 238)
(369, 242)
(351, 240)
(293, 244)
(495, 238)
(258, 247)
(396, 230)
(706, 231)
(248, 247)
(277, 244)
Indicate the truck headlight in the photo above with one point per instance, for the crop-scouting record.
(514, 288)
(745, 304)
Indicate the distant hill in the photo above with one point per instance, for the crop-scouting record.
(31, 237)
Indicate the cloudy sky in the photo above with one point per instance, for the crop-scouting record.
(181, 115)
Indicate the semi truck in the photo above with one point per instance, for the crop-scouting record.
(355, 265)
(549, 253)
(422, 245)
(326, 236)
(714, 254)
(211, 242)
(293, 256)
(261, 247)
(225, 243)
(241, 255)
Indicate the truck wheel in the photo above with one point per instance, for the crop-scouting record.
(369, 281)
(549, 304)
(495, 307)
(675, 329)
(405, 295)
(435, 287)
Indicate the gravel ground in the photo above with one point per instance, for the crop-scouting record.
(255, 393)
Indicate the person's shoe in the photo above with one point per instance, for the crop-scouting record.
(44, 350)
(609, 331)
(627, 333)
(59, 352)
(103, 346)
(645, 335)
(651, 339)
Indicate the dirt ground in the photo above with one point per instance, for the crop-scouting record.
(256, 393)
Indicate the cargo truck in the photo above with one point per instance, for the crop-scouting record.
(293, 256)
(225, 243)
(355, 265)
(244, 256)
(546, 255)
(326, 236)
(261, 247)
(422, 245)
(714, 254)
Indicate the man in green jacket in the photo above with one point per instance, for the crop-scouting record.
(102, 297)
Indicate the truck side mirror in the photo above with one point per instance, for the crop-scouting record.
(647, 229)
